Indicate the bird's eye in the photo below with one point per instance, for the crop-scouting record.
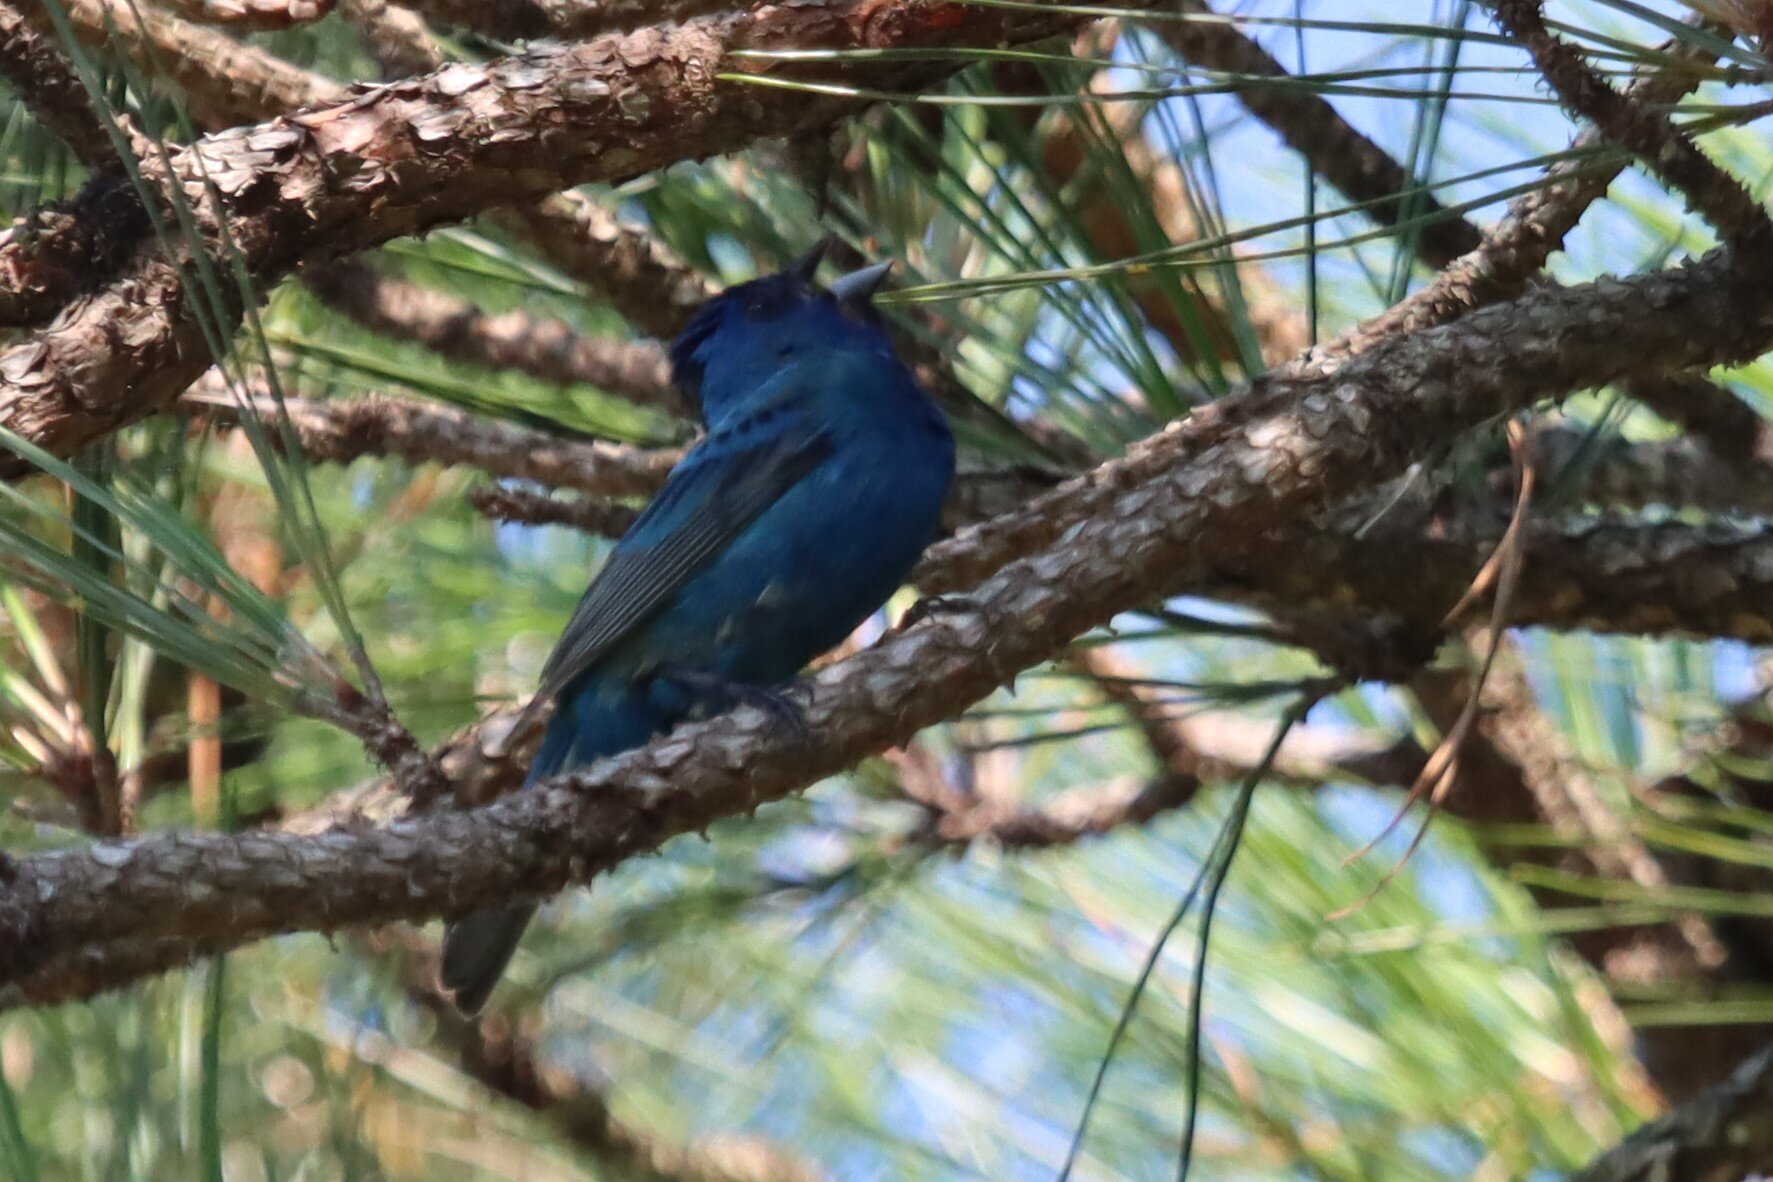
(785, 351)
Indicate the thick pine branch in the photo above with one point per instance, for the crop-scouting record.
(1133, 531)
(410, 155)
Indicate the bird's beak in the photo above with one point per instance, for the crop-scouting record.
(807, 265)
(858, 287)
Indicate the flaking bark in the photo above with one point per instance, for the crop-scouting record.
(409, 155)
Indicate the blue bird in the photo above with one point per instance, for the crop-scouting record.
(802, 509)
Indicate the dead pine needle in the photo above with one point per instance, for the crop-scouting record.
(1500, 573)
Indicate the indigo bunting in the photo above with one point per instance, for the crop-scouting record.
(816, 487)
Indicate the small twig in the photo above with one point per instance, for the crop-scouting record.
(1713, 193)
(524, 507)
(548, 349)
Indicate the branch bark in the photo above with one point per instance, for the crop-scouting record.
(1724, 1134)
(568, 20)
(410, 155)
(1134, 530)
(547, 349)
(1330, 145)
(34, 67)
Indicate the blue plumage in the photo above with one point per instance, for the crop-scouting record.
(814, 491)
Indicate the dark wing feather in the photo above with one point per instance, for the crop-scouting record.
(728, 482)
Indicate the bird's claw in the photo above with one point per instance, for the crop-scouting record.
(717, 693)
(937, 605)
(787, 716)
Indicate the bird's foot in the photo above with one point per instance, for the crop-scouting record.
(931, 606)
(717, 693)
(958, 605)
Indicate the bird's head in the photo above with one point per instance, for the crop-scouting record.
(747, 333)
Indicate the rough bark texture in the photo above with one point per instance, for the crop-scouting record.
(548, 349)
(402, 157)
(217, 75)
(568, 20)
(35, 69)
(1135, 529)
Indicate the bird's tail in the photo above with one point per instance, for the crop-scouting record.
(589, 724)
(476, 951)
(586, 726)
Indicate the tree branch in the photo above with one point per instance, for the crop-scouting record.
(547, 349)
(252, 15)
(36, 70)
(1139, 527)
(567, 20)
(1724, 1134)
(425, 432)
(519, 506)
(625, 265)
(219, 76)
(1362, 170)
(410, 155)
(1516, 248)
(1717, 196)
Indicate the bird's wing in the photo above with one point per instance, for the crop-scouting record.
(718, 490)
